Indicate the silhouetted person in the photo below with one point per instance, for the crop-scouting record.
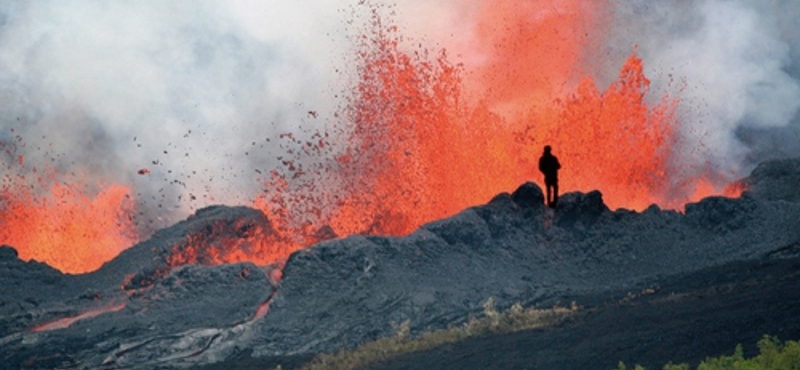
(549, 166)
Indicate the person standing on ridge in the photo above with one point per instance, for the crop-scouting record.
(549, 166)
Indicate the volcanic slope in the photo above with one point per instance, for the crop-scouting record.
(683, 319)
(342, 292)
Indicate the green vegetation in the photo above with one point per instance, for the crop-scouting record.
(773, 355)
(493, 322)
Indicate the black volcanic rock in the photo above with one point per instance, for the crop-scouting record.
(529, 195)
(27, 281)
(26, 286)
(442, 273)
(8, 253)
(723, 214)
(580, 208)
(775, 180)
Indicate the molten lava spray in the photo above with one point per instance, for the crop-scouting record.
(58, 218)
(612, 141)
(428, 138)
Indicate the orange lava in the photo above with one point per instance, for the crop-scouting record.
(538, 58)
(706, 188)
(220, 243)
(263, 308)
(418, 151)
(530, 51)
(734, 189)
(67, 228)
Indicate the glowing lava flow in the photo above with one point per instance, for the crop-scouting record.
(67, 321)
(622, 140)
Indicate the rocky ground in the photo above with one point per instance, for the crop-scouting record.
(142, 311)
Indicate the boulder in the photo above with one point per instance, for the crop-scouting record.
(775, 180)
(529, 195)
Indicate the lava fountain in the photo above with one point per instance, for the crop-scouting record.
(427, 137)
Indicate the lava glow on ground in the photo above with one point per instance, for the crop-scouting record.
(426, 137)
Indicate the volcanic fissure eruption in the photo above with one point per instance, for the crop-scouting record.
(419, 135)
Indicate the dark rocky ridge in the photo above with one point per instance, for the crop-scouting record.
(515, 250)
(776, 180)
(342, 292)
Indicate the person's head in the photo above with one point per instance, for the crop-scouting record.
(547, 149)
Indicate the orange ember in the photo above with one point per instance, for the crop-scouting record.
(612, 140)
(67, 229)
(530, 51)
(735, 189)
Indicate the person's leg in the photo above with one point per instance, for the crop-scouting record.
(555, 195)
(549, 188)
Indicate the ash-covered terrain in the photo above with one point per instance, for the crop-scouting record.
(144, 310)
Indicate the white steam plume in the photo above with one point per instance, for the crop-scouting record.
(732, 60)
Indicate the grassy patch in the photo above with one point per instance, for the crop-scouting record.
(773, 355)
(493, 322)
